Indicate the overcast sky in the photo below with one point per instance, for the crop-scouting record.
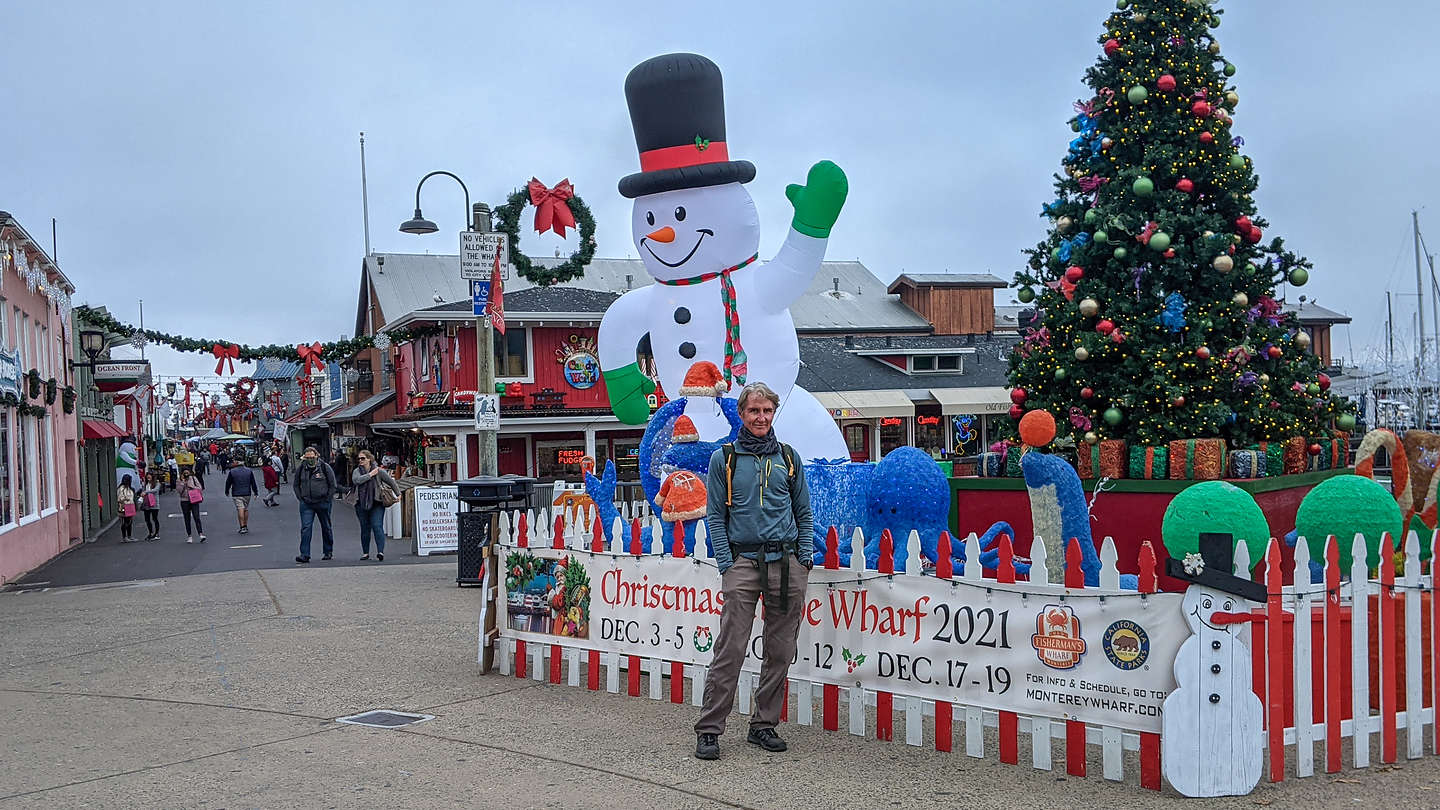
(204, 157)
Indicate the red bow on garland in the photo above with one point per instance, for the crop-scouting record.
(550, 208)
(310, 356)
(188, 382)
(223, 354)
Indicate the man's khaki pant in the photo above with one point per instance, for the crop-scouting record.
(742, 588)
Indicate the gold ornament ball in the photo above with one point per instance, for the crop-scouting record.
(1241, 299)
(1064, 223)
(1214, 46)
(1302, 341)
(1208, 234)
(1223, 263)
(1089, 307)
(1082, 354)
(1141, 16)
(1264, 379)
(1232, 98)
(1091, 437)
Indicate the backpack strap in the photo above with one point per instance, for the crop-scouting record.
(729, 451)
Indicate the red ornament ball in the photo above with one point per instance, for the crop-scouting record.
(1018, 396)
(1117, 336)
(1166, 83)
(1087, 393)
(1253, 235)
(1314, 449)
(1037, 428)
(1017, 411)
(1169, 253)
(1203, 352)
(1178, 402)
(1105, 327)
(1074, 273)
(1243, 223)
(1274, 352)
(1324, 380)
(1201, 109)
(1111, 46)
(1185, 184)
(1206, 137)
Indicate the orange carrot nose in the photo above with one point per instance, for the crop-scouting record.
(665, 234)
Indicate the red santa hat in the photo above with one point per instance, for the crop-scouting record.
(682, 497)
(703, 380)
(684, 430)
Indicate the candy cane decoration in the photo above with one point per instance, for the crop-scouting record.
(1399, 467)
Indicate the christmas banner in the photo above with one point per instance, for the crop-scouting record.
(1033, 650)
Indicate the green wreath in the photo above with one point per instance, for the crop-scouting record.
(508, 222)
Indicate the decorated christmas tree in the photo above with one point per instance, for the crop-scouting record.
(1155, 290)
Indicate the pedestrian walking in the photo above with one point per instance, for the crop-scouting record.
(760, 524)
(374, 491)
(125, 499)
(275, 462)
(240, 486)
(150, 505)
(341, 464)
(202, 463)
(192, 494)
(272, 484)
(285, 466)
(315, 490)
(173, 471)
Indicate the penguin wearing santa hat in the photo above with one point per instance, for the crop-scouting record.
(698, 233)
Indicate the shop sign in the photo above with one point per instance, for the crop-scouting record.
(927, 420)
(487, 411)
(436, 525)
(567, 455)
(104, 371)
(442, 454)
(846, 413)
(964, 428)
(10, 373)
(892, 421)
(580, 361)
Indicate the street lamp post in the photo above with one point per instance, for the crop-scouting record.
(478, 218)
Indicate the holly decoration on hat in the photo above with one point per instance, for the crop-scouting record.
(1156, 196)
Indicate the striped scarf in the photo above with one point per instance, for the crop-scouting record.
(736, 363)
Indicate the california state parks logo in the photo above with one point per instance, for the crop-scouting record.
(1057, 638)
(1126, 644)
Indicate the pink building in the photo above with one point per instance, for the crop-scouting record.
(39, 471)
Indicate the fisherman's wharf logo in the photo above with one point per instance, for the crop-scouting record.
(1057, 638)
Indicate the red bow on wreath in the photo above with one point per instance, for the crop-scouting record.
(225, 353)
(310, 356)
(551, 210)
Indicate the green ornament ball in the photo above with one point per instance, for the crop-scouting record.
(1121, 253)
(1025, 295)
(1299, 276)
(1345, 421)
(1160, 241)
(1074, 126)
(1345, 506)
(1055, 254)
(1061, 373)
(1113, 416)
(1122, 4)
(1143, 187)
(1312, 389)
(1137, 94)
(1091, 217)
(1101, 237)
(1229, 69)
(1237, 161)
(1214, 506)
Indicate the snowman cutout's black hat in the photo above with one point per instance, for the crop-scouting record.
(677, 109)
(1212, 567)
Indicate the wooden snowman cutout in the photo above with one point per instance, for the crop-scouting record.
(1211, 741)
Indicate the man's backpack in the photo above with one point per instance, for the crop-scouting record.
(729, 450)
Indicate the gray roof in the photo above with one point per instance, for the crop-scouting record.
(950, 280)
(1311, 312)
(1007, 317)
(273, 368)
(828, 364)
(408, 283)
(362, 407)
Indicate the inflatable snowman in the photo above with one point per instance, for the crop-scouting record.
(1211, 742)
(698, 233)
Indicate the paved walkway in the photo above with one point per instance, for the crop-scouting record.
(221, 690)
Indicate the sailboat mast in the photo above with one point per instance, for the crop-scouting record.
(1422, 370)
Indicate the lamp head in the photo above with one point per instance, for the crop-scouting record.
(418, 225)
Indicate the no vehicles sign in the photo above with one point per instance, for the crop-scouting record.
(477, 255)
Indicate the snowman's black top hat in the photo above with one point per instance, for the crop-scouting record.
(1214, 568)
(677, 108)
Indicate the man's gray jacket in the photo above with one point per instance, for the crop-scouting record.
(762, 508)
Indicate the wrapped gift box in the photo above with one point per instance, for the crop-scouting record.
(1148, 462)
(1248, 464)
(1342, 450)
(1106, 459)
(1012, 462)
(1334, 452)
(1274, 453)
(991, 465)
(1297, 457)
(1197, 459)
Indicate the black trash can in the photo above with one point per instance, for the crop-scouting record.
(484, 498)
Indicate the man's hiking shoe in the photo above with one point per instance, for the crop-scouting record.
(766, 738)
(707, 746)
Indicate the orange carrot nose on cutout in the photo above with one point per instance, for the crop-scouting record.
(665, 234)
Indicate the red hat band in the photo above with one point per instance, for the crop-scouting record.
(684, 155)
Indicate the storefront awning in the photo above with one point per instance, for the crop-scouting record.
(101, 429)
(979, 400)
(866, 404)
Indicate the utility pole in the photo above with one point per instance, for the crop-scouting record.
(487, 442)
(1421, 414)
(364, 195)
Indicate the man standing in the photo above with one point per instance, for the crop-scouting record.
(315, 490)
(240, 486)
(202, 462)
(759, 520)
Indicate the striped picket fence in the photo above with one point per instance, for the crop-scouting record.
(1313, 678)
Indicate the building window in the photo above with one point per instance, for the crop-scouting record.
(424, 361)
(627, 460)
(929, 363)
(512, 351)
(930, 434)
(948, 362)
(7, 514)
(892, 433)
(23, 490)
(42, 462)
(559, 460)
(924, 362)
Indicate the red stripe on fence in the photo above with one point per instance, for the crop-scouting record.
(678, 547)
(592, 669)
(830, 693)
(1149, 740)
(634, 671)
(1387, 650)
(677, 682)
(1275, 662)
(1009, 721)
(1337, 663)
(885, 701)
(1074, 729)
(557, 540)
(944, 709)
(635, 537)
(1435, 649)
(521, 658)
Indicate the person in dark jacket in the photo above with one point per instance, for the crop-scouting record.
(368, 478)
(315, 490)
(202, 465)
(240, 486)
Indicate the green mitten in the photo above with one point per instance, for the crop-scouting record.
(818, 202)
(627, 388)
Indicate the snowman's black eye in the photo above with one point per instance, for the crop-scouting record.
(649, 217)
(680, 213)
